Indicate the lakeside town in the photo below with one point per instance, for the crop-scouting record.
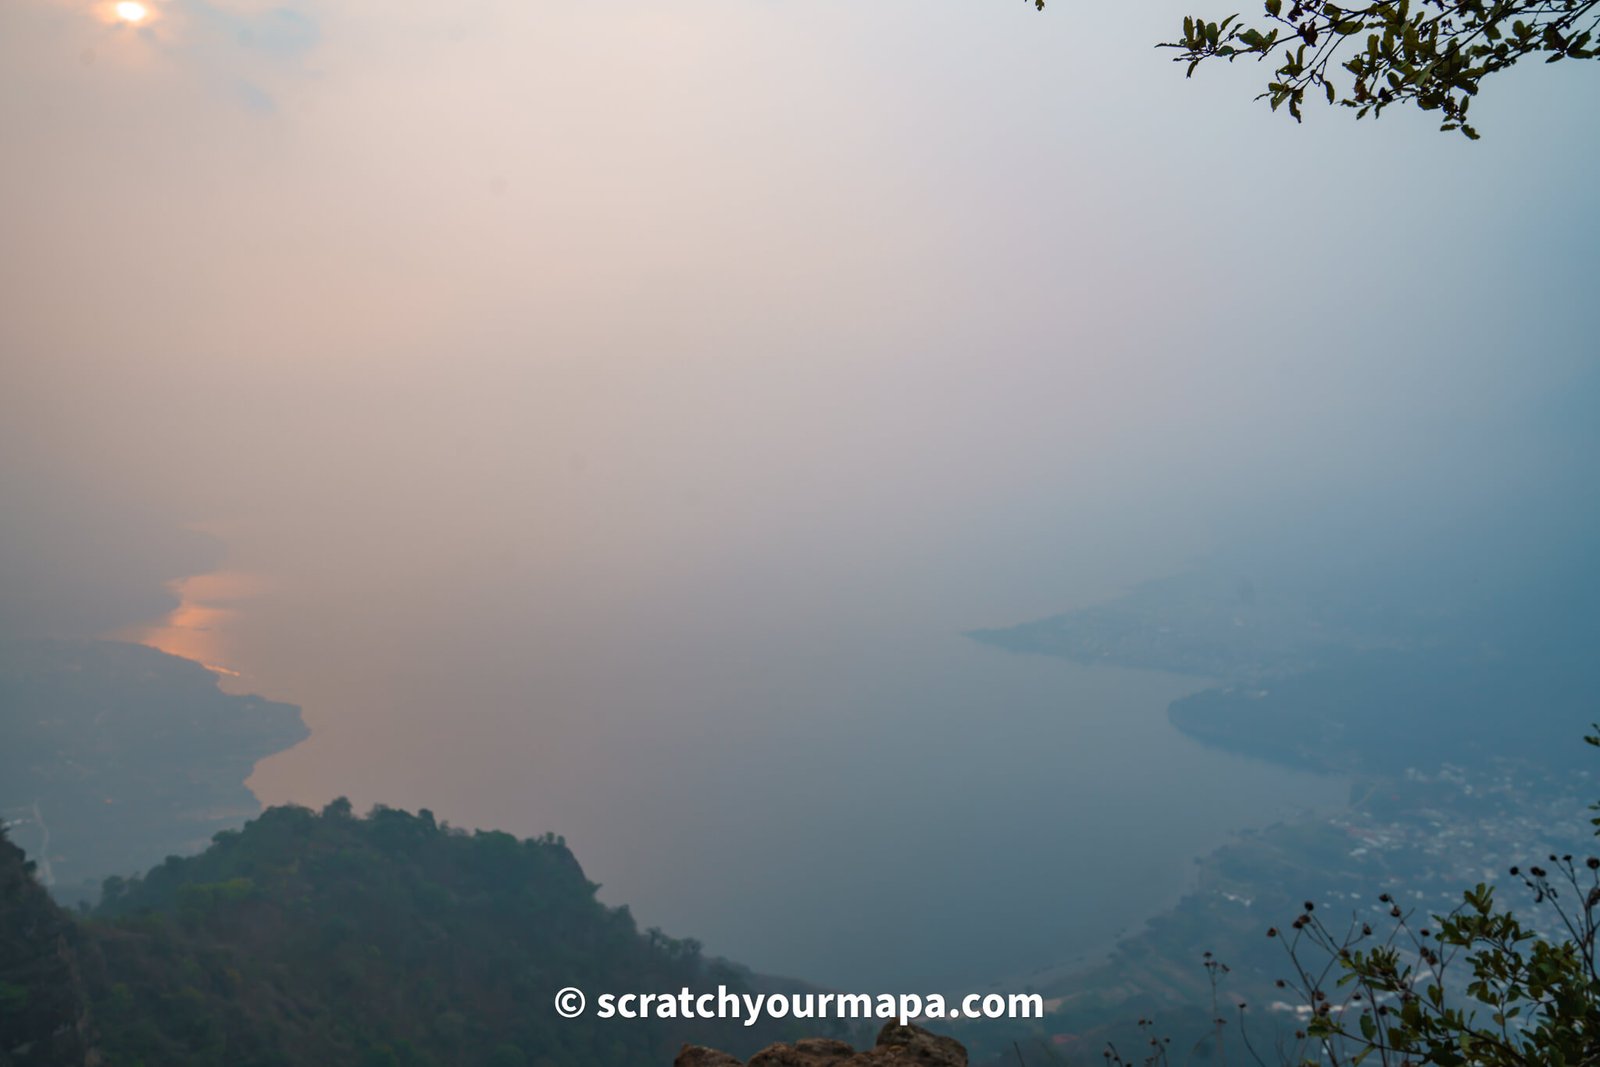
(1416, 840)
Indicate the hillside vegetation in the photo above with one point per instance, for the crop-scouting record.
(310, 939)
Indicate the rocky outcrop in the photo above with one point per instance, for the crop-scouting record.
(898, 1046)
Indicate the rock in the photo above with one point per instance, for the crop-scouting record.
(911, 1046)
(898, 1046)
(807, 1052)
(700, 1056)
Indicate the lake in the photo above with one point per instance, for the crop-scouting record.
(810, 779)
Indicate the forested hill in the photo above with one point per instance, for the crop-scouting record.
(312, 939)
(44, 1020)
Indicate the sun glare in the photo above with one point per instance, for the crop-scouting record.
(131, 11)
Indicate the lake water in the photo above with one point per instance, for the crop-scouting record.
(811, 780)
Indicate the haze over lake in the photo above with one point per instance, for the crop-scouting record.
(813, 772)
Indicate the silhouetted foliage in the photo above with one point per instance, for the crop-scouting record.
(1434, 54)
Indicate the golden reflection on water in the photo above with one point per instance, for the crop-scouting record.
(198, 628)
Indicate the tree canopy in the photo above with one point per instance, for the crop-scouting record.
(1434, 54)
(386, 941)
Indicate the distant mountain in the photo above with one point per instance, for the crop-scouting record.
(117, 755)
(1222, 623)
(1364, 674)
(314, 939)
(80, 559)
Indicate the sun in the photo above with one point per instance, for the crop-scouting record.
(131, 11)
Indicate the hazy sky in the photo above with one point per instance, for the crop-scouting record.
(557, 370)
(708, 270)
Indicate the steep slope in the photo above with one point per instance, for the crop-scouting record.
(43, 1007)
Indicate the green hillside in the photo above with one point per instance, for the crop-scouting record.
(320, 939)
